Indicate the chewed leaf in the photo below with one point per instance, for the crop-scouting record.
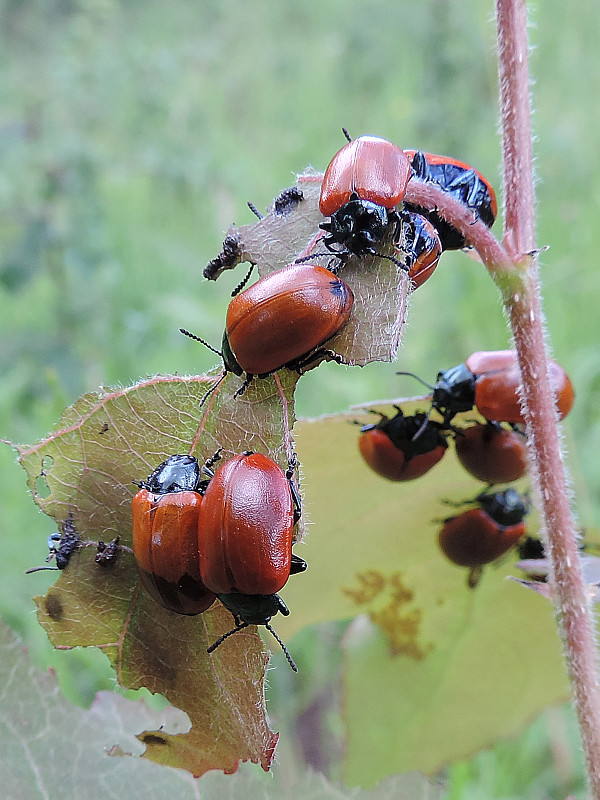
(106, 441)
(87, 465)
(379, 285)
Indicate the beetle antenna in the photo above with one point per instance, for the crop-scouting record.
(341, 256)
(254, 210)
(221, 639)
(346, 134)
(398, 263)
(202, 341)
(514, 426)
(241, 285)
(416, 377)
(39, 569)
(327, 254)
(213, 388)
(283, 647)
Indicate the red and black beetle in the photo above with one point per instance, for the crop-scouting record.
(165, 536)
(482, 534)
(491, 453)
(245, 527)
(283, 320)
(490, 381)
(498, 380)
(362, 186)
(462, 182)
(245, 533)
(402, 448)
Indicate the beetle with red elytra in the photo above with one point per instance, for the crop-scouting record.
(283, 320)
(228, 536)
(490, 381)
(363, 185)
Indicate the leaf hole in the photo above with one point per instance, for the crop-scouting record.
(41, 487)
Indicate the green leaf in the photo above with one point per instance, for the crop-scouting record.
(87, 466)
(51, 748)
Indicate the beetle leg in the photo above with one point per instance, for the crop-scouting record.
(474, 576)
(304, 363)
(281, 606)
(292, 464)
(247, 381)
(297, 502)
(298, 565)
(208, 465)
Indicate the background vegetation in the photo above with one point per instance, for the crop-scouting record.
(131, 136)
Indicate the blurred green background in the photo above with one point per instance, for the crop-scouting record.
(133, 133)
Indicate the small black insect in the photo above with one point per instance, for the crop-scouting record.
(107, 553)
(61, 546)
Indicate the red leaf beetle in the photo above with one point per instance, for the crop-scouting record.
(245, 532)
(462, 182)
(283, 320)
(165, 536)
(491, 453)
(245, 527)
(402, 448)
(497, 385)
(480, 535)
(490, 380)
(362, 186)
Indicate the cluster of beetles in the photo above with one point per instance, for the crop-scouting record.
(406, 447)
(225, 529)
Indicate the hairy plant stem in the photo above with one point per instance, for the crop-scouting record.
(572, 602)
(513, 266)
